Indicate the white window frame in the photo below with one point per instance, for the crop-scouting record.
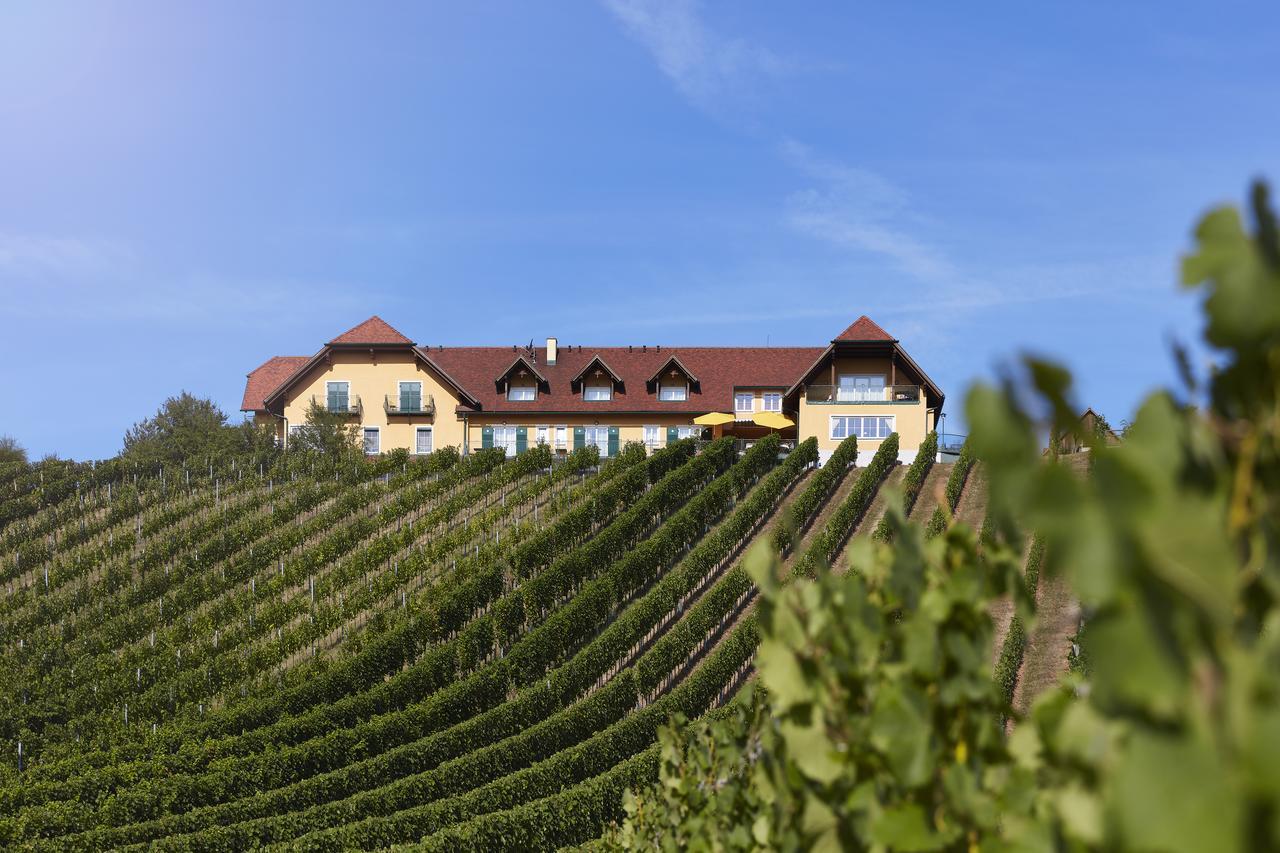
(652, 435)
(840, 427)
(774, 397)
(562, 436)
(522, 393)
(542, 434)
(364, 440)
(431, 440)
(691, 431)
(597, 393)
(861, 393)
(329, 382)
(750, 398)
(673, 393)
(508, 440)
(422, 400)
(599, 436)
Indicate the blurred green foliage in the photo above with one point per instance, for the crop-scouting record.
(876, 723)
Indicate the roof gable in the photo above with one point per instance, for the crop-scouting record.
(522, 367)
(672, 364)
(864, 329)
(375, 330)
(601, 368)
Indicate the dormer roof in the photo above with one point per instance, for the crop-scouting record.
(521, 366)
(672, 364)
(594, 369)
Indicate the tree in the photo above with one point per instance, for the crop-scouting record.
(878, 724)
(328, 433)
(185, 427)
(11, 451)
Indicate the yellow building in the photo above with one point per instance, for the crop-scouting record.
(401, 394)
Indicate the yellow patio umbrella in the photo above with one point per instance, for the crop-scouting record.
(713, 419)
(772, 420)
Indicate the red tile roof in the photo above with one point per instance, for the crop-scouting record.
(375, 330)
(864, 329)
(719, 371)
(267, 377)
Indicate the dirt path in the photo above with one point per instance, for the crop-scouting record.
(932, 493)
(972, 508)
(879, 504)
(1045, 660)
(837, 496)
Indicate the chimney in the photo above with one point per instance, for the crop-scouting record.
(552, 345)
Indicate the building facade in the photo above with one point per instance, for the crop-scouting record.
(404, 395)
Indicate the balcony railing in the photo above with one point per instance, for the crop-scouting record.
(855, 396)
(335, 405)
(395, 405)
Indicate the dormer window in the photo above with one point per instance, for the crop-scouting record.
(673, 382)
(598, 381)
(521, 381)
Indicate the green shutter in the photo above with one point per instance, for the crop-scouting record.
(579, 437)
(522, 439)
(486, 437)
(613, 441)
(673, 435)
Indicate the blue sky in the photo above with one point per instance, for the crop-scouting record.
(187, 189)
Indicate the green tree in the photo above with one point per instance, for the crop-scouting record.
(185, 427)
(11, 451)
(879, 725)
(327, 433)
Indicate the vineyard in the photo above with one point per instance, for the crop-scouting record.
(454, 651)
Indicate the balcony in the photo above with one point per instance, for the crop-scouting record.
(890, 394)
(349, 405)
(395, 405)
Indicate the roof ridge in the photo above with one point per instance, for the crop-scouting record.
(374, 330)
(864, 329)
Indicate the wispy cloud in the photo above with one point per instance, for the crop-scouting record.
(858, 209)
(23, 256)
(703, 64)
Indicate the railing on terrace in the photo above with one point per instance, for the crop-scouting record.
(349, 405)
(949, 442)
(396, 405)
(836, 394)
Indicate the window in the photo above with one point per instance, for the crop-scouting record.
(411, 396)
(562, 437)
(599, 436)
(372, 440)
(773, 402)
(422, 441)
(870, 427)
(521, 392)
(651, 434)
(857, 388)
(597, 392)
(505, 437)
(689, 432)
(338, 397)
(541, 435)
(673, 393)
(744, 402)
